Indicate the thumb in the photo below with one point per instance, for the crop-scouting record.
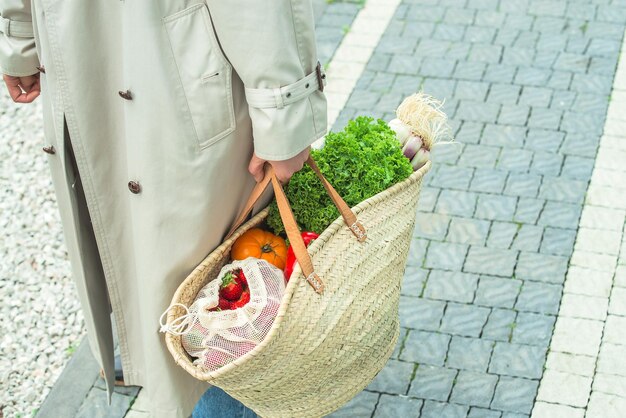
(256, 168)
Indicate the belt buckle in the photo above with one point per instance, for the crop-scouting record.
(320, 76)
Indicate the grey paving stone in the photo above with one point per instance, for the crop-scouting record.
(493, 207)
(500, 73)
(526, 185)
(497, 292)
(591, 102)
(394, 378)
(558, 241)
(560, 215)
(504, 136)
(579, 168)
(563, 190)
(417, 313)
(440, 88)
(431, 225)
(571, 62)
(453, 202)
(433, 409)
(530, 76)
(465, 320)
(506, 37)
(397, 406)
(445, 256)
(451, 177)
(547, 163)
(417, 252)
(489, 18)
(545, 118)
(469, 70)
(427, 199)
(460, 16)
(469, 354)
(432, 48)
(379, 61)
(452, 286)
(432, 383)
(413, 281)
(399, 343)
(514, 415)
(562, 99)
(528, 210)
(504, 93)
(474, 389)
(544, 140)
(425, 13)
(517, 360)
(526, 39)
(478, 112)
(418, 29)
(490, 261)
(479, 156)
(533, 329)
(395, 44)
(501, 234)
(471, 90)
(487, 53)
(515, 394)
(483, 413)
(539, 297)
(517, 56)
(425, 348)
(528, 238)
(536, 96)
(541, 267)
(488, 181)
(437, 67)
(96, 405)
(467, 231)
(499, 325)
(576, 122)
(603, 47)
(406, 84)
(514, 115)
(580, 144)
(515, 160)
(479, 34)
(469, 132)
(449, 32)
(592, 83)
(362, 405)
(458, 51)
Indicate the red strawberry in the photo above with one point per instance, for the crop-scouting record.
(230, 289)
(245, 298)
(240, 278)
(223, 305)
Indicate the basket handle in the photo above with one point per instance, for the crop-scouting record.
(291, 227)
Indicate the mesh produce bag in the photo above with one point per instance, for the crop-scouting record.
(215, 338)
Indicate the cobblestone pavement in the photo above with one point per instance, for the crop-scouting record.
(527, 87)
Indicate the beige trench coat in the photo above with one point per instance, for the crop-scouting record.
(173, 95)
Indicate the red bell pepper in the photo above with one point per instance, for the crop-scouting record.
(308, 238)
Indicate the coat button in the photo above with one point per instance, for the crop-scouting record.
(50, 149)
(41, 69)
(134, 187)
(126, 95)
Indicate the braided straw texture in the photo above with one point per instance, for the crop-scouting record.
(324, 349)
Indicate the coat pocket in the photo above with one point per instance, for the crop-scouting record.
(205, 73)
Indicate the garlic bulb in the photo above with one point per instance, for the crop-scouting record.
(401, 129)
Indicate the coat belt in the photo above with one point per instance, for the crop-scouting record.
(16, 28)
(283, 96)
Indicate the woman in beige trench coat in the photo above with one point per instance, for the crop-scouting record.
(164, 103)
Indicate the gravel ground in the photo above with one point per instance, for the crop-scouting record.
(41, 318)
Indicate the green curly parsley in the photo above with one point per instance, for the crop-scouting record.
(361, 161)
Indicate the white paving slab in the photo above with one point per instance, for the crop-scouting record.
(585, 371)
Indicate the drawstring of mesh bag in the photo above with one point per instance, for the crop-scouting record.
(181, 325)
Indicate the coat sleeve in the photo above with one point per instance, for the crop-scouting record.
(18, 55)
(271, 46)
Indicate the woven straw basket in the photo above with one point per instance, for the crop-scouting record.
(323, 348)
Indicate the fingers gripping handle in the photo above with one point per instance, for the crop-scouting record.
(291, 227)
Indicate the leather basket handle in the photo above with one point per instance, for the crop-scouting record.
(291, 227)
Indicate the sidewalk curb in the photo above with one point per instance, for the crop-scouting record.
(72, 386)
